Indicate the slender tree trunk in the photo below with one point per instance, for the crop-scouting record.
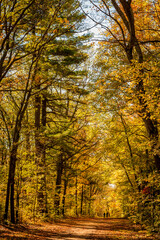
(7, 198)
(11, 177)
(38, 151)
(76, 196)
(129, 180)
(27, 136)
(18, 191)
(64, 196)
(131, 155)
(58, 185)
(90, 199)
(17, 207)
(40, 124)
(82, 198)
(10, 184)
(43, 149)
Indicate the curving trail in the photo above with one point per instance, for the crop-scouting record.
(77, 229)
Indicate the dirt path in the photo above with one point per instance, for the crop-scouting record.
(76, 229)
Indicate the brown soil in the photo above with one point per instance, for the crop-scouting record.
(77, 229)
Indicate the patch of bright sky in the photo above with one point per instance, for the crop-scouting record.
(94, 18)
(112, 185)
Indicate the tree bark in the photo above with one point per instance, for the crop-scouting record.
(40, 124)
(12, 167)
(90, 199)
(44, 179)
(64, 196)
(82, 198)
(13, 158)
(76, 195)
(58, 184)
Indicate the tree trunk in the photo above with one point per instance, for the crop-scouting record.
(131, 156)
(38, 152)
(17, 206)
(82, 195)
(58, 185)
(89, 204)
(13, 158)
(10, 184)
(18, 191)
(43, 149)
(76, 196)
(40, 124)
(64, 196)
(27, 136)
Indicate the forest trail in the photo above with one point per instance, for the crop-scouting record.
(77, 229)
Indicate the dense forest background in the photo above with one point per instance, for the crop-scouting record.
(80, 114)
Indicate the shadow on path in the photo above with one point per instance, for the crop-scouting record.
(76, 229)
